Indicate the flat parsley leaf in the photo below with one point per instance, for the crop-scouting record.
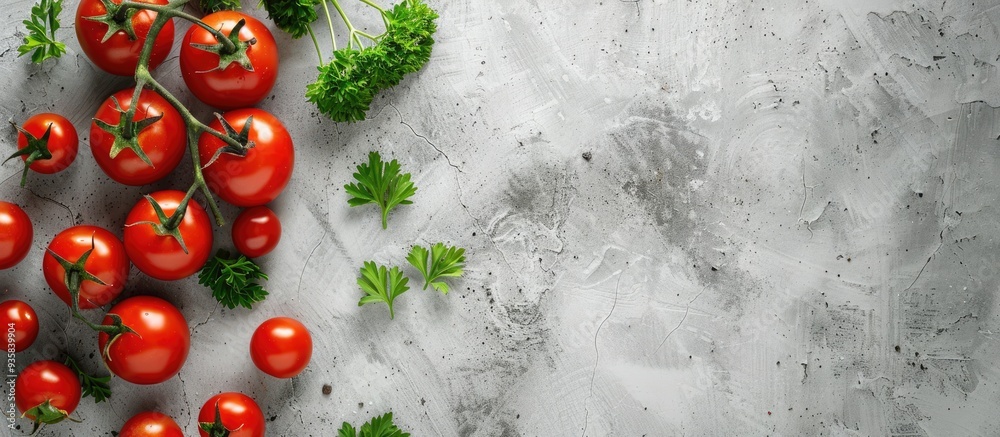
(97, 387)
(382, 184)
(41, 39)
(378, 426)
(381, 284)
(443, 260)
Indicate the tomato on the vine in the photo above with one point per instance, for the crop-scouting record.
(16, 233)
(256, 231)
(61, 144)
(240, 415)
(151, 424)
(119, 53)
(261, 175)
(158, 347)
(18, 316)
(230, 80)
(47, 391)
(108, 262)
(163, 142)
(162, 256)
(281, 347)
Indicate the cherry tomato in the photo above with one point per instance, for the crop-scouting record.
(261, 175)
(48, 381)
(151, 424)
(108, 262)
(281, 347)
(161, 256)
(21, 323)
(62, 144)
(240, 415)
(163, 142)
(256, 231)
(120, 53)
(232, 85)
(16, 234)
(157, 349)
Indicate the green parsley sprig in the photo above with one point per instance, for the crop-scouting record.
(439, 262)
(233, 281)
(381, 284)
(209, 6)
(378, 426)
(41, 39)
(382, 184)
(97, 387)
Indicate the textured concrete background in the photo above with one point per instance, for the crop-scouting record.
(786, 227)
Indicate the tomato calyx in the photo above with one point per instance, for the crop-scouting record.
(216, 428)
(118, 19)
(233, 52)
(76, 273)
(37, 148)
(169, 226)
(46, 413)
(115, 330)
(126, 132)
(242, 138)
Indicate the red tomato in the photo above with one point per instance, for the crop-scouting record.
(256, 231)
(16, 234)
(158, 348)
(21, 324)
(62, 144)
(161, 256)
(48, 381)
(240, 415)
(120, 54)
(151, 424)
(232, 85)
(261, 175)
(164, 141)
(281, 347)
(108, 262)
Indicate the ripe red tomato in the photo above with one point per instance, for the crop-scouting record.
(16, 234)
(164, 141)
(48, 381)
(240, 415)
(62, 144)
(161, 256)
(21, 323)
(120, 54)
(108, 262)
(256, 231)
(261, 175)
(232, 85)
(158, 348)
(151, 424)
(281, 347)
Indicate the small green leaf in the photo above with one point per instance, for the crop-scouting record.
(382, 184)
(97, 387)
(292, 16)
(441, 261)
(233, 281)
(41, 38)
(378, 426)
(381, 285)
(209, 6)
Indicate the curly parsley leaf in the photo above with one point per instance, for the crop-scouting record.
(382, 184)
(41, 39)
(443, 261)
(378, 426)
(381, 285)
(233, 281)
(97, 387)
(209, 6)
(292, 16)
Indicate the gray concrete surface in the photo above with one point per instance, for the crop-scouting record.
(787, 226)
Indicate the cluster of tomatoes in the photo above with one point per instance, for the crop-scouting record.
(144, 339)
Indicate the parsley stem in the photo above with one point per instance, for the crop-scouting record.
(329, 21)
(316, 43)
(352, 35)
(381, 11)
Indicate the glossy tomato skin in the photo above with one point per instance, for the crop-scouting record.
(164, 142)
(24, 320)
(261, 175)
(120, 55)
(281, 347)
(256, 231)
(16, 234)
(63, 142)
(47, 381)
(233, 86)
(151, 424)
(158, 348)
(162, 257)
(108, 262)
(239, 413)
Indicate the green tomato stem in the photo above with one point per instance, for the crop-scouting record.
(171, 10)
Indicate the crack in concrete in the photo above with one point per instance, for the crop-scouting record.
(298, 288)
(597, 351)
(210, 314)
(72, 217)
(940, 244)
(404, 123)
(687, 310)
